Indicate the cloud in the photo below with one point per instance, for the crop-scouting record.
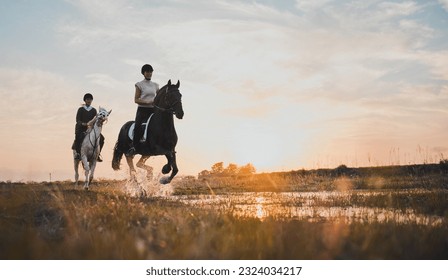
(307, 5)
(444, 4)
(104, 80)
(25, 100)
(133, 62)
(233, 40)
(257, 54)
(392, 9)
(438, 64)
(37, 118)
(323, 71)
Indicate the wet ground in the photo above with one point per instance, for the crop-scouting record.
(311, 206)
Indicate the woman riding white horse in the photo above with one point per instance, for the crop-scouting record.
(90, 147)
(84, 114)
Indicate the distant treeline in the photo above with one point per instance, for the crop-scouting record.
(222, 179)
(218, 170)
(395, 170)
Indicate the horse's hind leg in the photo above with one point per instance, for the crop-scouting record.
(141, 164)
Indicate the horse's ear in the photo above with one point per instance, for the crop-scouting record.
(178, 84)
(109, 112)
(169, 82)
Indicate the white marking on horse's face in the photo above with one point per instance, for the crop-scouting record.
(103, 114)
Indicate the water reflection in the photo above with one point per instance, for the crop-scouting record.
(260, 212)
(307, 206)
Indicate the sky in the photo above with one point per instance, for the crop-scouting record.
(283, 85)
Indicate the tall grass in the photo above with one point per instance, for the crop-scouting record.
(58, 221)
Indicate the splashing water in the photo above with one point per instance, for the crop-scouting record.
(143, 186)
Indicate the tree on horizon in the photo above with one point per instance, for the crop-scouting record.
(232, 169)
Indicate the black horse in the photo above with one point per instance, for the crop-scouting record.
(161, 137)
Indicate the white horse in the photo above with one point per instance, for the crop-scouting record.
(90, 148)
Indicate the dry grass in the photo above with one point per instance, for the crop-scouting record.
(57, 221)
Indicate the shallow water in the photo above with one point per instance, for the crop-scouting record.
(305, 206)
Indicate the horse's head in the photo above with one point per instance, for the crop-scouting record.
(169, 99)
(102, 115)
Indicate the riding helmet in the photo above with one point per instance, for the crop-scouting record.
(147, 68)
(88, 96)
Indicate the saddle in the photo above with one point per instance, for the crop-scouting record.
(144, 125)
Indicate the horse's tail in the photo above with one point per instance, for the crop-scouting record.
(118, 154)
(122, 145)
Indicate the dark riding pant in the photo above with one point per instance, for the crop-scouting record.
(141, 116)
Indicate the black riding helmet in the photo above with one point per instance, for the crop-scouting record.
(147, 68)
(87, 96)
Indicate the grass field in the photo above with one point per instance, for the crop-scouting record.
(60, 221)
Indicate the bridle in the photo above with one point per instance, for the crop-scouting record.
(170, 109)
(100, 118)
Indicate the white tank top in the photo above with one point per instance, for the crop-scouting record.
(148, 90)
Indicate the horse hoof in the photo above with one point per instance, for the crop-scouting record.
(165, 180)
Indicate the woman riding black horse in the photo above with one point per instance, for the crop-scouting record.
(160, 136)
(145, 93)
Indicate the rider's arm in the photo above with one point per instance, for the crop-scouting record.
(78, 118)
(91, 122)
(137, 99)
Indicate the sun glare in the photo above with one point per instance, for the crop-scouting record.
(263, 150)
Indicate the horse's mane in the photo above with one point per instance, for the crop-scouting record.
(91, 123)
(162, 91)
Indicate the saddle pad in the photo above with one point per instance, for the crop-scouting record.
(131, 129)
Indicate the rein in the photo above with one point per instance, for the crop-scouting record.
(170, 109)
(96, 138)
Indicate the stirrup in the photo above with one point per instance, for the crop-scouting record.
(100, 158)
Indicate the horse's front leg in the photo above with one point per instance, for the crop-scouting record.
(132, 171)
(92, 172)
(86, 167)
(86, 182)
(167, 167)
(149, 169)
(171, 157)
